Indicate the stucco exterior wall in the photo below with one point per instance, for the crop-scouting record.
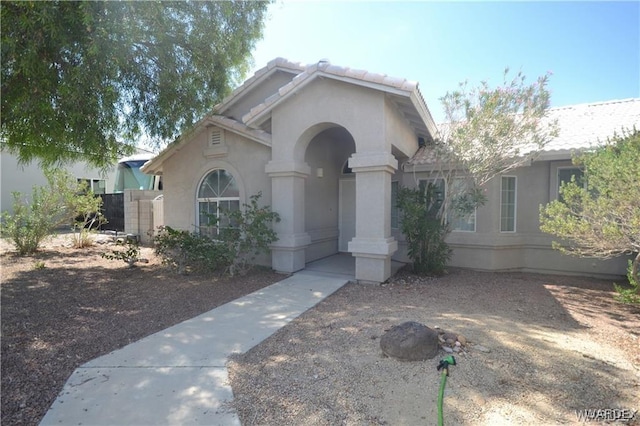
(184, 171)
(398, 131)
(330, 102)
(527, 249)
(16, 177)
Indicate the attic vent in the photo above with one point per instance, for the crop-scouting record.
(216, 137)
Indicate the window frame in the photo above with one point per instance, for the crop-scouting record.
(209, 229)
(515, 203)
(474, 215)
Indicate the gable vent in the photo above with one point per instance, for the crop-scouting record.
(216, 137)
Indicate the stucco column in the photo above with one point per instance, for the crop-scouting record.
(287, 199)
(373, 244)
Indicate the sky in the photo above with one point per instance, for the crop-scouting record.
(591, 49)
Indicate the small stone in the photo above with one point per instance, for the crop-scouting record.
(449, 336)
(447, 349)
(458, 344)
(450, 341)
(482, 348)
(462, 339)
(456, 349)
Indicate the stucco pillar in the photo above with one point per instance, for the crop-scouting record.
(287, 199)
(373, 244)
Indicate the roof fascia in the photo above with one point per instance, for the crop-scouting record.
(278, 64)
(280, 97)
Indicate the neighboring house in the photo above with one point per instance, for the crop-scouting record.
(16, 177)
(327, 147)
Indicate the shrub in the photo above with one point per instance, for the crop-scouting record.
(423, 229)
(130, 255)
(250, 234)
(631, 294)
(188, 252)
(232, 251)
(50, 206)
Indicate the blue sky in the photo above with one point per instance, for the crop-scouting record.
(591, 48)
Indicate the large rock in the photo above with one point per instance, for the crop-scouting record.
(410, 341)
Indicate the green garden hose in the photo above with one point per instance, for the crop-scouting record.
(444, 366)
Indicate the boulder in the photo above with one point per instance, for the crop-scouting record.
(410, 341)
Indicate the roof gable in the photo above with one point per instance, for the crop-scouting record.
(405, 93)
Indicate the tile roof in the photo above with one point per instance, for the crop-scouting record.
(272, 66)
(580, 127)
(342, 73)
(588, 125)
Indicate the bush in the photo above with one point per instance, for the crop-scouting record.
(232, 251)
(424, 231)
(631, 294)
(250, 234)
(130, 255)
(188, 252)
(51, 206)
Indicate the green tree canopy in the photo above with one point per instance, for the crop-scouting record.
(85, 79)
(601, 219)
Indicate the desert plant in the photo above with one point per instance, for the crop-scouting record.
(602, 218)
(629, 294)
(130, 255)
(188, 252)
(249, 235)
(424, 230)
(63, 201)
(231, 251)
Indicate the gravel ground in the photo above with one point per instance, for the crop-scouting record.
(63, 307)
(541, 349)
(555, 344)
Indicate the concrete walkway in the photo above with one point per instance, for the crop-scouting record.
(178, 376)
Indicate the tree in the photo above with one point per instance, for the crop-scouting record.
(602, 218)
(85, 79)
(64, 201)
(488, 131)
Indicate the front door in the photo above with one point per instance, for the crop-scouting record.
(347, 213)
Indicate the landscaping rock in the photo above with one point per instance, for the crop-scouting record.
(410, 341)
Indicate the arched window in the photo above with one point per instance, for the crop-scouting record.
(218, 193)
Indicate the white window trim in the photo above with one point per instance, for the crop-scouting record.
(217, 200)
(515, 205)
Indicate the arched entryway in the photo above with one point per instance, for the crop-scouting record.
(330, 193)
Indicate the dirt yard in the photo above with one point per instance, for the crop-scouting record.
(540, 347)
(64, 307)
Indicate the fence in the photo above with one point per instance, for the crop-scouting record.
(113, 210)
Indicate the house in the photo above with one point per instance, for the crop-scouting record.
(327, 146)
(17, 177)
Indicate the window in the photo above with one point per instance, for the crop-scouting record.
(97, 186)
(465, 222)
(566, 174)
(218, 193)
(508, 204)
(395, 211)
(437, 188)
